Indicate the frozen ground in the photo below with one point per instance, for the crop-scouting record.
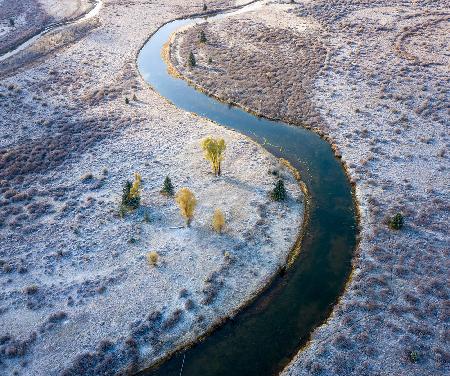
(77, 293)
(373, 78)
(23, 18)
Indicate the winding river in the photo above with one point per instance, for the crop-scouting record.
(263, 338)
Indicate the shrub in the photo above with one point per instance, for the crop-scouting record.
(413, 356)
(131, 196)
(279, 192)
(187, 203)
(218, 220)
(205, 8)
(135, 97)
(192, 62)
(210, 60)
(11, 22)
(214, 150)
(167, 187)
(127, 101)
(202, 36)
(152, 258)
(396, 222)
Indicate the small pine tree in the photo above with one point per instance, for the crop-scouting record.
(192, 62)
(131, 193)
(210, 60)
(187, 203)
(11, 22)
(218, 221)
(202, 36)
(126, 192)
(135, 97)
(214, 149)
(396, 222)
(127, 101)
(167, 187)
(279, 192)
(205, 8)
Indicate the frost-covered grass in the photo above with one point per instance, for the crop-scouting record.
(380, 97)
(21, 19)
(78, 294)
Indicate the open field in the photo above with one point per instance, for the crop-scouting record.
(78, 295)
(373, 79)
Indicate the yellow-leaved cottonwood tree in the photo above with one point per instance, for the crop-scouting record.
(135, 190)
(187, 203)
(218, 221)
(214, 149)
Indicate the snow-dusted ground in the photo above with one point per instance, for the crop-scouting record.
(19, 20)
(77, 293)
(380, 96)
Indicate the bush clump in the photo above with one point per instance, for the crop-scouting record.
(279, 192)
(396, 222)
(413, 356)
(214, 149)
(152, 258)
(187, 203)
(168, 189)
(131, 195)
(218, 221)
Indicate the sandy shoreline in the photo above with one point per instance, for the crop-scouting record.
(73, 271)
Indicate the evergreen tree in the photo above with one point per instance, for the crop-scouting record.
(204, 7)
(396, 222)
(126, 193)
(192, 61)
(202, 37)
(167, 187)
(131, 193)
(279, 192)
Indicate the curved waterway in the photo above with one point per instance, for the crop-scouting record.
(265, 336)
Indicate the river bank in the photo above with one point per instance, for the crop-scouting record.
(378, 95)
(74, 126)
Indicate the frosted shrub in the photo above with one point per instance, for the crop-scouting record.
(214, 150)
(187, 203)
(152, 258)
(218, 221)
